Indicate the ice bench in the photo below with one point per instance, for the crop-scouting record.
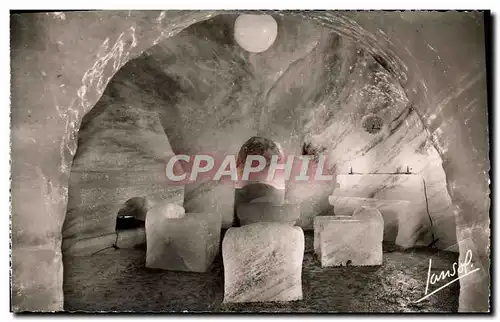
(181, 242)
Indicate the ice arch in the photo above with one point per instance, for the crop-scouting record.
(67, 76)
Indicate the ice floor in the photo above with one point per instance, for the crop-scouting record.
(116, 280)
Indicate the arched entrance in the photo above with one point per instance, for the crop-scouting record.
(132, 215)
(259, 187)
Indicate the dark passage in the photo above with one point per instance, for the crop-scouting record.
(131, 215)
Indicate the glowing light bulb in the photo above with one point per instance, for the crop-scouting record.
(255, 33)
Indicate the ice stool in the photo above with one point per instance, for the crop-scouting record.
(263, 262)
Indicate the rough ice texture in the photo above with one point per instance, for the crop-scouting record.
(392, 287)
(401, 222)
(249, 213)
(212, 197)
(259, 192)
(261, 95)
(189, 243)
(443, 75)
(166, 210)
(318, 227)
(263, 263)
(122, 152)
(353, 241)
(424, 205)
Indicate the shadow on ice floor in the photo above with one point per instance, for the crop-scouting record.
(117, 280)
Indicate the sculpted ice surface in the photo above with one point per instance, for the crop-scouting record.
(256, 168)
